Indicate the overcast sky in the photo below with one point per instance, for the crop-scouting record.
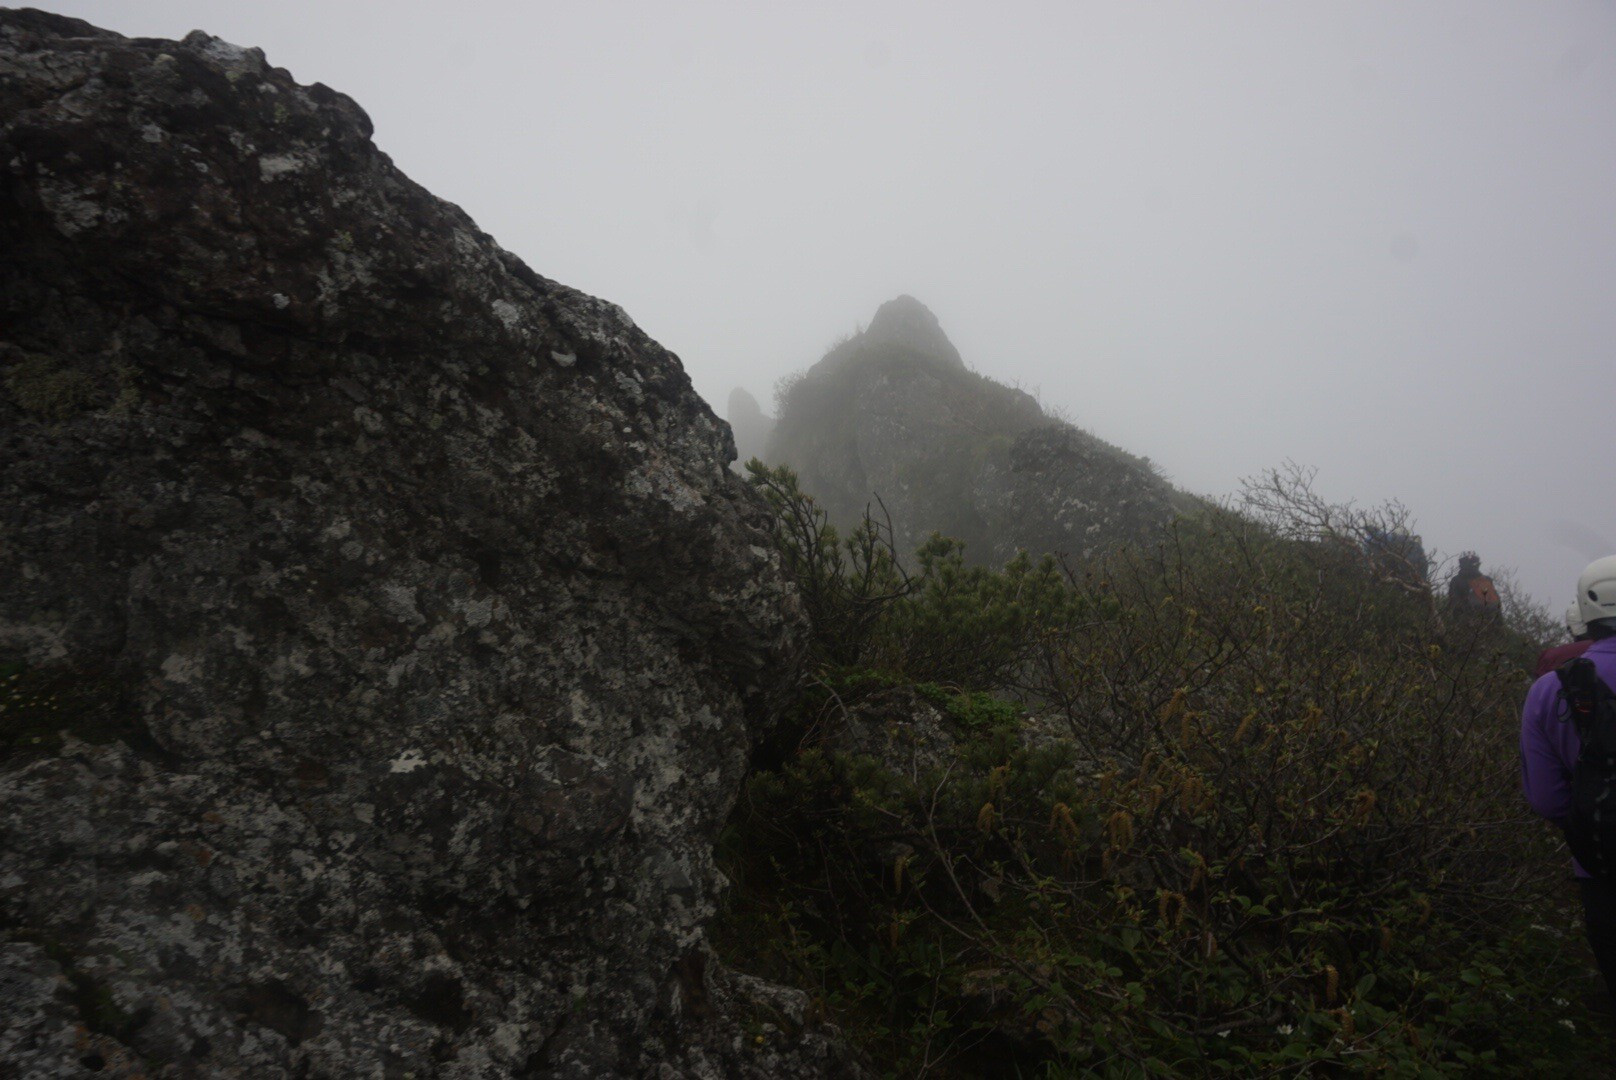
(1374, 238)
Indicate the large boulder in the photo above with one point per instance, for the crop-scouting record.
(383, 634)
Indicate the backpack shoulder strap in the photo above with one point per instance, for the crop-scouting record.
(1591, 704)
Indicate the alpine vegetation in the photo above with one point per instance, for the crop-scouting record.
(1242, 801)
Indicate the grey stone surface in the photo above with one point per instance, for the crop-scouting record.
(900, 729)
(432, 625)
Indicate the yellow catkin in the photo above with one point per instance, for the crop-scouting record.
(1363, 804)
(1175, 704)
(898, 868)
(1425, 911)
(1120, 827)
(985, 817)
(1348, 1028)
(1244, 729)
(1332, 983)
(1170, 907)
(1061, 820)
(1154, 798)
(997, 777)
(1192, 794)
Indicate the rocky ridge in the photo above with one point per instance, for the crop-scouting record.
(384, 633)
(892, 419)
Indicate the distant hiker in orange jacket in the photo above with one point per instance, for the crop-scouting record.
(1470, 592)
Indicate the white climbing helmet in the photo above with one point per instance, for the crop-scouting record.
(1574, 624)
(1596, 591)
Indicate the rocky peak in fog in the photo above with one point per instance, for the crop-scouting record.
(905, 323)
(894, 414)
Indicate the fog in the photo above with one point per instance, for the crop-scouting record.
(1374, 238)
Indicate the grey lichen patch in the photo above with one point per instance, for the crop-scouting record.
(126, 395)
(507, 313)
(47, 388)
(73, 210)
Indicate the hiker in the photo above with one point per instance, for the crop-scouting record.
(1398, 556)
(1562, 787)
(1470, 592)
(1555, 655)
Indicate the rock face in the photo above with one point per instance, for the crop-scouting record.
(893, 413)
(390, 630)
(752, 427)
(905, 325)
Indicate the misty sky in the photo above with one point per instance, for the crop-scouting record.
(1374, 238)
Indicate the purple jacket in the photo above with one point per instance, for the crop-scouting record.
(1549, 743)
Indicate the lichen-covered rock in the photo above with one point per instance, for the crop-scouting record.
(385, 633)
(906, 733)
(891, 420)
(1059, 489)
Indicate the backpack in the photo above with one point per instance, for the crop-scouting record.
(1482, 592)
(1591, 828)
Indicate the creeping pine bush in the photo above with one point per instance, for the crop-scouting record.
(1227, 806)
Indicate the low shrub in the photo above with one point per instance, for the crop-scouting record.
(1227, 806)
